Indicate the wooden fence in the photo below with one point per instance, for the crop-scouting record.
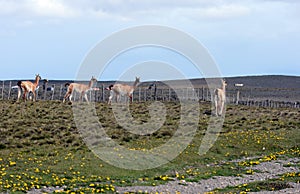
(262, 97)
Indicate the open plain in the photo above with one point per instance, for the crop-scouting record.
(43, 151)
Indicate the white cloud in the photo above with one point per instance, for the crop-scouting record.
(227, 11)
(213, 12)
(52, 8)
(120, 9)
(32, 8)
(189, 9)
(9, 7)
(255, 13)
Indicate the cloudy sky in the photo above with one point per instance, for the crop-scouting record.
(53, 37)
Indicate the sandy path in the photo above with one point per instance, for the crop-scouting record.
(268, 170)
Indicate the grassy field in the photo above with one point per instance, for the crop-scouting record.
(41, 146)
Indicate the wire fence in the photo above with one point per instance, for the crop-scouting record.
(261, 97)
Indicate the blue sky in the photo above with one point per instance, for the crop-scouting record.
(52, 37)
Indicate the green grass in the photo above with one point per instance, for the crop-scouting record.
(41, 146)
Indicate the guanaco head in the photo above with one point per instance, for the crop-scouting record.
(38, 76)
(224, 83)
(93, 79)
(137, 79)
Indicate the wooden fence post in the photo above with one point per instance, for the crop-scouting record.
(237, 97)
(45, 85)
(9, 91)
(139, 94)
(207, 90)
(103, 93)
(155, 92)
(36, 92)
(128, 99)
(96, 95)
(52, 97)
(60, 91)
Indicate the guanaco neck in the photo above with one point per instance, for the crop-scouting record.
(37, 79)
(91, 83)
(224, 87)
(135, 84)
